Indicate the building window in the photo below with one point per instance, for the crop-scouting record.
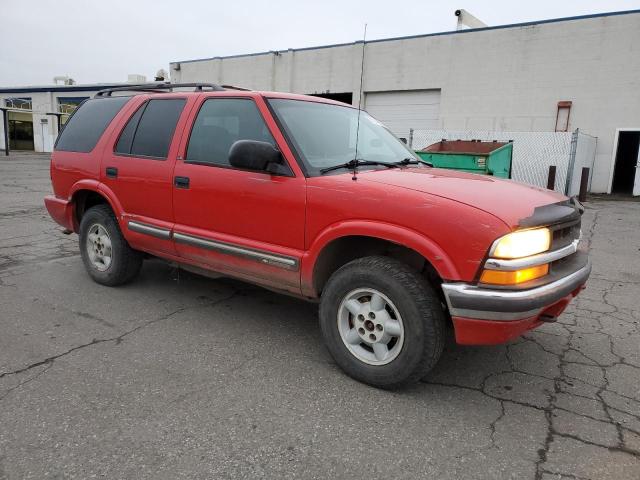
(68, 104)
(19, 103)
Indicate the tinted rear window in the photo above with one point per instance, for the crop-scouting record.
(126, 137)
(88, 123)
(155, 128)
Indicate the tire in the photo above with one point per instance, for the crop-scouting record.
(123, 264)
(406, 294)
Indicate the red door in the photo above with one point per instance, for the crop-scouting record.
(137, 167)
(246, 224)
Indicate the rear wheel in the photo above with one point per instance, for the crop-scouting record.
(107, 256)
(382, 322)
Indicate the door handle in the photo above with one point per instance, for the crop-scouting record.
(181, 182)
(112, 172)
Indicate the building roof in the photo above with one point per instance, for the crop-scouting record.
(452, 32)
(89, 87)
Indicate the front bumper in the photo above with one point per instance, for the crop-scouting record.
(483, 316)
(470, 301)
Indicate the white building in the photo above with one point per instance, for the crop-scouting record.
(552, 75)
(34, 112)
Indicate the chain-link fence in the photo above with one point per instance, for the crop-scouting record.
(533, 153)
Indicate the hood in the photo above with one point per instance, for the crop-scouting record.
(510, 201)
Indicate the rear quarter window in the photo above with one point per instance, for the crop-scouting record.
(87, 124)
(149, 131)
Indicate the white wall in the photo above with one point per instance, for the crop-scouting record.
(507, 79)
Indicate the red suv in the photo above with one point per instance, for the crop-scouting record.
(314, 198)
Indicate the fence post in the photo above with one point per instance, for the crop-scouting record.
(572, 160)
(5, 126)
(551, 179)
(411, 138)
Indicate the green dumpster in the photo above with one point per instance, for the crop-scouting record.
(473, 156)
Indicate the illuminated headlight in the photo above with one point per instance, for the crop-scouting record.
(522, 243)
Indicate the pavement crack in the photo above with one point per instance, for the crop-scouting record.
(29, 380)
(117, 339)
(493, 425)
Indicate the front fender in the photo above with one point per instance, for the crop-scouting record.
(384, 231)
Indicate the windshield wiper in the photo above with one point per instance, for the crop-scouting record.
(355, 163)
(412, 161)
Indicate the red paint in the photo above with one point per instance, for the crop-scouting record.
(60, 210)
(484, 192)
(471, 331)
(448, 217)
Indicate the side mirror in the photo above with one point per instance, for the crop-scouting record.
(254, 155)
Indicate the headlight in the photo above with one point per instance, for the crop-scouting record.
(522, 243)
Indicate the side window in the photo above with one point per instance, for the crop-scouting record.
(126, 137)
(220, 123)
(149, 131)
(87, 124)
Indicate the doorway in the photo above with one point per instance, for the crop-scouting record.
(338, 97)
(20, 131)
(626, 169)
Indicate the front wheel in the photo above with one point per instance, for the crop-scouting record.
(382, 322)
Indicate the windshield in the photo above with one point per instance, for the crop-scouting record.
(325, 135)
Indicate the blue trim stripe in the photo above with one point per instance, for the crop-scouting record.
(61, 88)
(424, 35)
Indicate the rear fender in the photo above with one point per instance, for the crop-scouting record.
(116, 206)
(96, 186)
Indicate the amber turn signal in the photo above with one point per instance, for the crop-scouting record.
(499, 277)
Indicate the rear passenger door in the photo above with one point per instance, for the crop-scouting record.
(137, 167)
(245, 223)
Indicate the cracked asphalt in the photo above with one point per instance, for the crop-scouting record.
(179, 376)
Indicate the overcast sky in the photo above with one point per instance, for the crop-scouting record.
(94, 41)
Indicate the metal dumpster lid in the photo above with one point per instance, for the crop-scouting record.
(472, 147)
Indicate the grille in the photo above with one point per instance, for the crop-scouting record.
(564, 234)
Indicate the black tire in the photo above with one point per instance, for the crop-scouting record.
(418, 304)
(125, 261)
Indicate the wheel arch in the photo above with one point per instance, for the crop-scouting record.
(86, 194)
(347, 241)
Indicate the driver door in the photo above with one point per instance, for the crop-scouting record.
(247, 224)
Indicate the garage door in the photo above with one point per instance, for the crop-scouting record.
(403, 110)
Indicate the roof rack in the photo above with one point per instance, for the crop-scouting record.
(156, 87)
(233, 87)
